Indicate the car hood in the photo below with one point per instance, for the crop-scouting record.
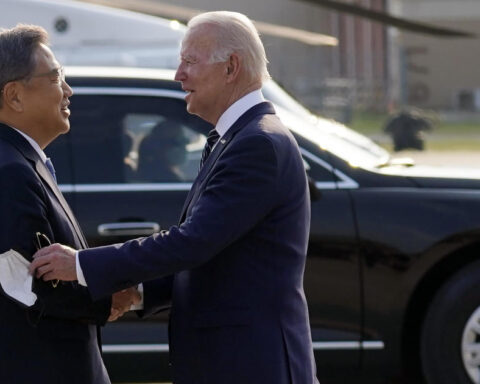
(436, 176)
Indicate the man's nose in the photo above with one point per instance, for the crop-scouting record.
(180, 74)
(67, 91)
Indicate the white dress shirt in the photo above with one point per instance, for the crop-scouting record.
(237, 109)
(34, 144)
(226, 120)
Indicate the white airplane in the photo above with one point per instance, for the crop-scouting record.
(87, 34)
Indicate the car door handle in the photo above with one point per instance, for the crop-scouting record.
(128, 229)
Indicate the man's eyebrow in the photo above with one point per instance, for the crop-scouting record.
(187, 56)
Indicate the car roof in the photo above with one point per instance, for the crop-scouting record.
(120, 72)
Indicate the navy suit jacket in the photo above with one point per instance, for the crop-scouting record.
(56, 340)
(237, 258)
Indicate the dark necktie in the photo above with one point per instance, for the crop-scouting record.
(50, 167)
(212, 138)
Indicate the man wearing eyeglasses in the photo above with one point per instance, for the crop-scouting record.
(55, 339)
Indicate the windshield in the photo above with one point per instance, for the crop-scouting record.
(278, 96)
(356, 149)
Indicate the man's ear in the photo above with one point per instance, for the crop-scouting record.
(12, 96)
(233, 67)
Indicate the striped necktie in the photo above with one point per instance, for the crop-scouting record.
(212, 138)
(50, 167)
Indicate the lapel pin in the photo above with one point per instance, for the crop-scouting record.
(223, 141)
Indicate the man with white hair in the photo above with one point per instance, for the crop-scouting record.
(234, 266)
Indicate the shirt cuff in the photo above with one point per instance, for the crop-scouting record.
(80, 277)
(139, 306)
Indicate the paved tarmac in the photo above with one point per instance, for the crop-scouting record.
(469, 159)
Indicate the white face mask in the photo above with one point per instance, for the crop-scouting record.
(15, 280)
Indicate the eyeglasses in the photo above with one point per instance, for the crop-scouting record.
(56, 74)
(41, 241)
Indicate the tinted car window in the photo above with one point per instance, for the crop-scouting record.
(131, 139)
(125, 139)
(318, 172)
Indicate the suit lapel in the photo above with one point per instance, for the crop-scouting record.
(46, 176)
(222, 144)
(24, 147)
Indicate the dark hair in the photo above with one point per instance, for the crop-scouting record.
(17, 47)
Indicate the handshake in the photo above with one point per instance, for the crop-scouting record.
(122, 302)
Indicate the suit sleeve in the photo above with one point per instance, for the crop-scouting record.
(157, 296)
(25, 212)
(239, 192)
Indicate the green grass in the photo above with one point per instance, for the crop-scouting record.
(453, 145)
(368, 123)
(458, 128)
(442, 145)
(445, 135)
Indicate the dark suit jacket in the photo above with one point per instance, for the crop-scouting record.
(56, 340)
(239, 313)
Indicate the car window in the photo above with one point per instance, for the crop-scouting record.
(278, 96)
(131, 139)
(317, 172)
(158, 148)
(340, 140)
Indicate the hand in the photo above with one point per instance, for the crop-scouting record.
(122, 301)
(55, 262)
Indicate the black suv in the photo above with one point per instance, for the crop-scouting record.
(392, 277)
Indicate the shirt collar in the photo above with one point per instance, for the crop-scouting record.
(34, 144)
(237, 109)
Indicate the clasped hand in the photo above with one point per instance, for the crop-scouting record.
(55, 262)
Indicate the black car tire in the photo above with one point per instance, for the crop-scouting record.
(450, 319)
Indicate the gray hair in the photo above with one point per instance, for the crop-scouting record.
(235, 33)
(17, 47)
